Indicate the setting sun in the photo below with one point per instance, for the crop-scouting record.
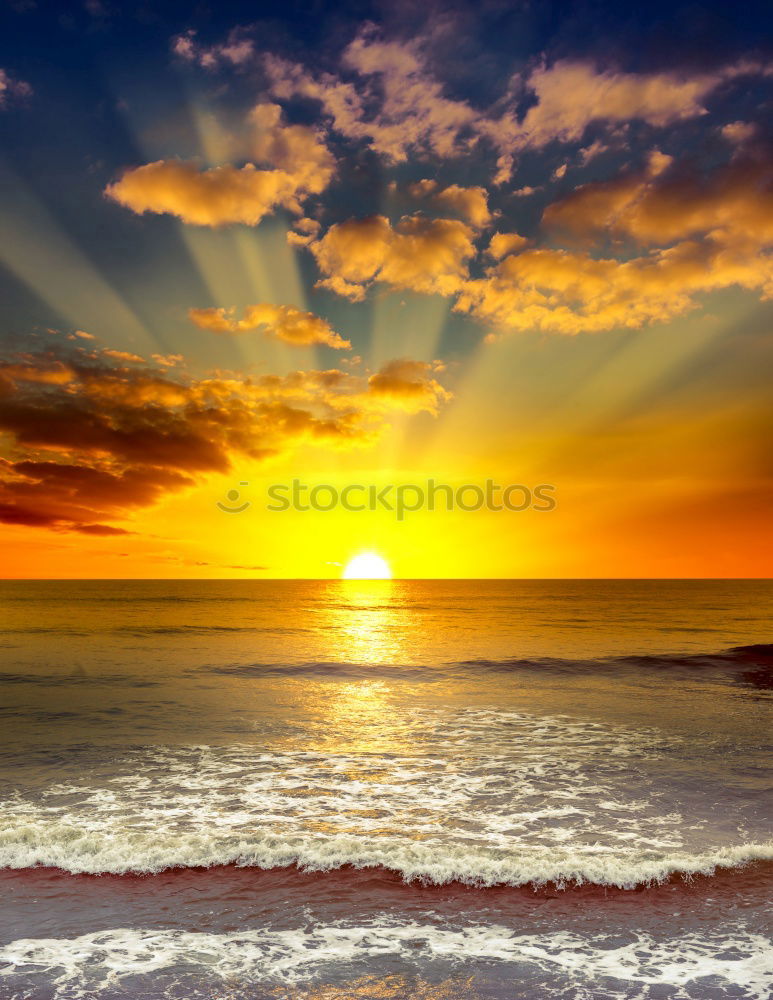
(367, 566)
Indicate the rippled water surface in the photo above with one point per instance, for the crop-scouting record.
(398, 789)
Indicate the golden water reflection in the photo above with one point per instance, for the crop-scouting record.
(367, 621)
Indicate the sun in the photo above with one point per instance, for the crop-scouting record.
(367, 566)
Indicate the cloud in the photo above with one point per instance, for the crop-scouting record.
(104, 530)
(123, 356)
(590, 152)
(167, 360)
(237, 50)
(304, 232)
(420, 254)
(91, 441)
(505, 243)
(302, 166)
(594, 207)
(561, 291)
(65, 496)
(293, 326)
(737, 133)
(10, 87)
(387, 96)
(697, 232)
(701, 232)
(666, 202)
(470, 203)
(396, 105)
(571, 95)
(411, 383)
(298, 150)
(714, 232)
(215, 197)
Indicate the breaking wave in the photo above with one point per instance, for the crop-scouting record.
(109, 962)
(68, 847)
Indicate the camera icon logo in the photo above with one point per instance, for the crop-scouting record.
(233, 497)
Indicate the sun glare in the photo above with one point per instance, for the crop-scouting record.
(367, 566)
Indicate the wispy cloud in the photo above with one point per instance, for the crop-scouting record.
(286, 323)
(387, 96)
(11, 87)
(237, 50)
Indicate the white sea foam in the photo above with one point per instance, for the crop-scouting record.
(74, 849)
(110, 961)
(511, 798)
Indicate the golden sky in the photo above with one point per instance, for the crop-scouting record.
(347, 261)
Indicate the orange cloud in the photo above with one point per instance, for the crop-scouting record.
(123, 356)
(411, 383)
(738, 133)
(561, 291)
(659, 206)
(502, 244)
(215, 197)
(594, 207)
(167, 360)
(301, 166)
(709, 232)
(397, 106)
(297, 150)
(420, 254)
(90, 442)
(412, 111)
(293, 326)
(572, 95)
(304, 232)
(471, 203)
(31, 368)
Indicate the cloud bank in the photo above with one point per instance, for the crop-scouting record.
(93, 440)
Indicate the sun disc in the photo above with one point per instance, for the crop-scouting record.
(367, 566)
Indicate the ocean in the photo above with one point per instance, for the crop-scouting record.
(237, 790)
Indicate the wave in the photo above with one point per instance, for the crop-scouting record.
(751, 665)
(70, 848)
(204, 630)
(151, 630)
(326, 668)
(79, 677)
(203, 963)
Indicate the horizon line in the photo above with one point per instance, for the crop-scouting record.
(396, 579)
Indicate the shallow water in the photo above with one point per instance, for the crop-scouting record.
(431, 789)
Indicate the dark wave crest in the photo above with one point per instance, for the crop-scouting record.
(750, 665)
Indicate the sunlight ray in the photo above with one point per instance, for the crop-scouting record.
(34, 248)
